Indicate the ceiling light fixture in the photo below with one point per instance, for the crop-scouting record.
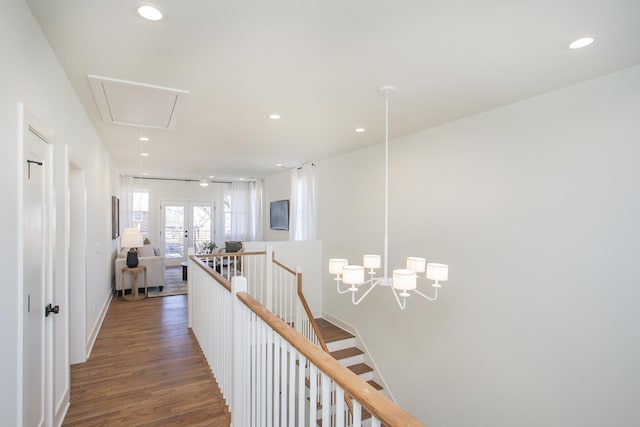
(211, 176)
(143, 138)
(403, 280)
(204, 183)
(274, 116)
(360, 130)
(150, 12)
(279, 165)
(580, 43)
(144, 154)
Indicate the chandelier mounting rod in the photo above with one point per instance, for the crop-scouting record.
(386, 91)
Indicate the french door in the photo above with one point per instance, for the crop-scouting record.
(185, 225)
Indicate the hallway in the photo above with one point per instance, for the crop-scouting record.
(145, 369)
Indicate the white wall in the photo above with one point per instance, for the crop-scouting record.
(535, 207)
(276, 187)
(31, 74)
(301, 255)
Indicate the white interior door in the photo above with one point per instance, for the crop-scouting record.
(37, 282)
(185, 225)
(174, 232)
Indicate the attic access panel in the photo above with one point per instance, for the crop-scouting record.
(137, 104)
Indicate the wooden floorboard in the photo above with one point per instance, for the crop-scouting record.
(146, 369)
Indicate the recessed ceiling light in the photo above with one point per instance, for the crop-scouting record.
(204, 183)
(144, 154)
(143, 138)
(211, 176)
(360, 130)
(580, 43)
(144, 174)
(274, 116)
(279, 165)
(150, 12)
(240, 179)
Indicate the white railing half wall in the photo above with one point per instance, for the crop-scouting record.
(267, 371)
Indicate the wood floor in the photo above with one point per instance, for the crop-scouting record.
(146, 369)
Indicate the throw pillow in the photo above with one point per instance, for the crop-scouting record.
(146, 250)
(232, 247)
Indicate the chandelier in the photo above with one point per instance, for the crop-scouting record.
(404, 280)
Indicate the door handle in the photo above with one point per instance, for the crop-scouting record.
(49, 309)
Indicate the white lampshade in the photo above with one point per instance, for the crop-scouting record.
(353, 274)
(416, 264)
(371, 261)
(404, 279)
(131, 238)
(336, 265)
(437, 272)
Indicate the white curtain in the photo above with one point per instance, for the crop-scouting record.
(303, 203)
(255, 216)
(126, 202)
(246, 211)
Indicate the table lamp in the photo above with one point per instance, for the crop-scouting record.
(132, 238)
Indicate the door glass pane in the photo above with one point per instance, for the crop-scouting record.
(202, 232)
(174, 232)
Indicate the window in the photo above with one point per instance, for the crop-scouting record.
(140, 211)
(227, 214)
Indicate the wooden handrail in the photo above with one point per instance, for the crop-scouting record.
(376, 403)
(284, 267)
(313, 322)
(303, 300)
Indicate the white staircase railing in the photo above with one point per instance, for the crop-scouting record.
(267, 371)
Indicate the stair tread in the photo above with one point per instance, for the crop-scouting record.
(360, 368)
(375, 385)
(347, 352)
(331, 332)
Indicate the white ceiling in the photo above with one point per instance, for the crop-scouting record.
(319, 64)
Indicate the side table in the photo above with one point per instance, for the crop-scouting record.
(134, 282)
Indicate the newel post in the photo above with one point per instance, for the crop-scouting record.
(239, 357)
(297, 306)
(269, 278)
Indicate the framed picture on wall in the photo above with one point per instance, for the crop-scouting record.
(115, 217)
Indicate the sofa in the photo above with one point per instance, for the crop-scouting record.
(147, 257)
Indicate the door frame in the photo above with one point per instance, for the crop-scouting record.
(29, 123)
(188, 205)
(76, 248)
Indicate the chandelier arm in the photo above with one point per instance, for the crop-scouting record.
(338, 289)
(353, 295)
(402, 304)
(435, 297)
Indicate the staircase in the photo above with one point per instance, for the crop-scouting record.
(342, 346)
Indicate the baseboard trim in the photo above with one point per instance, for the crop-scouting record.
(62, 409)
(96, 329)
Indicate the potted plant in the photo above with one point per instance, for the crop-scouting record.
(209, 247)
